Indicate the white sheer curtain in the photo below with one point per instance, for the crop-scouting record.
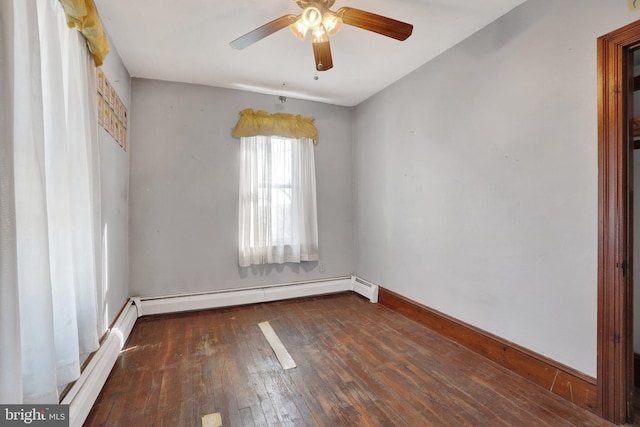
(48, 202)
(277, 211)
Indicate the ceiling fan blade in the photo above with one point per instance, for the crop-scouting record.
(378, 24)
(261, 32)
(322, 54)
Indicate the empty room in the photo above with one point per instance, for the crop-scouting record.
(319, 212)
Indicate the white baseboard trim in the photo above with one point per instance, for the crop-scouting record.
(86, 389)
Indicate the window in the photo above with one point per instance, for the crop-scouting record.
(280, 184)
(277, 201)
(49, 192)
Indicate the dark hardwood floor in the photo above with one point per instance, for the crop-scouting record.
(359, 364)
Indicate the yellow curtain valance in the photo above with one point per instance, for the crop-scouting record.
(260, 122)
(82, 14)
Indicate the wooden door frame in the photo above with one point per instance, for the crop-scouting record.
(615, 304)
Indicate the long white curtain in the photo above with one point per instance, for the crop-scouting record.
(277, 210)
(48, 202)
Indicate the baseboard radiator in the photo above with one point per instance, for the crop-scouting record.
(86, 389)
(217, 299)
(364, 288)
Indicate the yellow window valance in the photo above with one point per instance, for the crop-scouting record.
(253, 123)
(82, 14)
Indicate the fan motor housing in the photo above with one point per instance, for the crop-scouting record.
(320, 4)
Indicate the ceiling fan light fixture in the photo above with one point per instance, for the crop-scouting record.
(323, 23)
(299, 29)
(332, 23)
(311, 17)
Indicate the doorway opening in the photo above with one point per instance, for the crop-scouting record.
(635, 137)
(615, 223)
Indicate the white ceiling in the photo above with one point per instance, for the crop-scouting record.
(188, 41)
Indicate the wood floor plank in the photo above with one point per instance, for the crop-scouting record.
(279, 349)
(359, 364)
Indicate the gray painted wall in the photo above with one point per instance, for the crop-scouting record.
(184, 189)
(114, 180)
(476, 179)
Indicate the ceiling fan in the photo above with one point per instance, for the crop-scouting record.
(317, 18)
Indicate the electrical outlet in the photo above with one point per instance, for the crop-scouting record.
(321, 268)
(634, 4)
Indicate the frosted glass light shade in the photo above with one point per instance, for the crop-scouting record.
(319, 35)
(332, 23)
(299, 29)
(311, 17)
